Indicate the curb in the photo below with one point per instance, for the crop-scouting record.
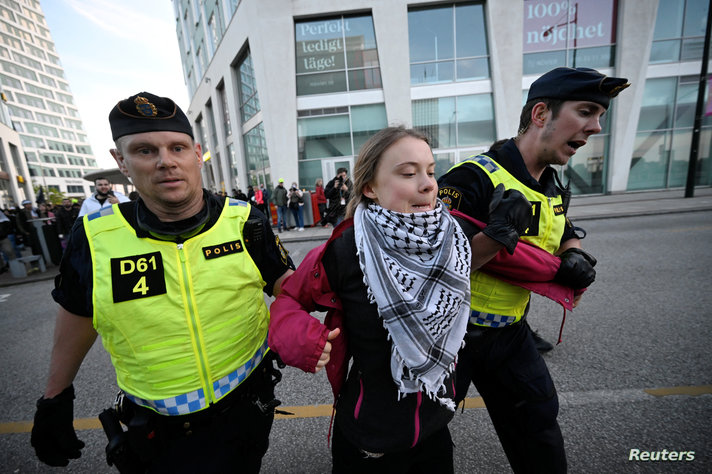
(639, 213)
(49, 276)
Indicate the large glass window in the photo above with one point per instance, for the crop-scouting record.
(10, 81)
(679, 31)
(201, 134)
(30, 100)
(31, 142)
(338, 131)
(201, 62)
(662, 145)
(44, 130)
(325, 136)
(249, 100)
(332, 133)
(256, 156)
(567, 33)
(447, 44)
(336, 55)
(455, 123)
(232, 157)
(211, 129)
(227, 124)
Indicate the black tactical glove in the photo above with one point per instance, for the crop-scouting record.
(576, 270)
(510, 214)
(53, 435)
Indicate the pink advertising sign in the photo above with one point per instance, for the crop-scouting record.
(552, 25)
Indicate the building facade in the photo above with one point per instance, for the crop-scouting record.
(13, 168)
(54, 146)
(292, 89)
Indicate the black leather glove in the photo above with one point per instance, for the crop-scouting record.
(576, 270)
(510, 214)
(53, 435)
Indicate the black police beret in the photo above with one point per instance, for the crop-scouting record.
(580, 83)
(146, 112)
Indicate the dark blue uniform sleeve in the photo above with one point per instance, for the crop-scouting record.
(72, 287)
(270, 256)
(569, 232)
(468, 189)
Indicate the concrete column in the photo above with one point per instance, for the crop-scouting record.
(637, 19)
(232, 93)
(504, 36)
(390, 21)
(273, 59)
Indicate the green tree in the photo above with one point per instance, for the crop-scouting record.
(52, 195)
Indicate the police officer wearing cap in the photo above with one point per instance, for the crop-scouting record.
(514, 192)
(173, 283)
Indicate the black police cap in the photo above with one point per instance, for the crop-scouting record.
(580, 83)
(146, 112)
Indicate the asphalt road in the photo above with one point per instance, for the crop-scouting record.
(633, 372)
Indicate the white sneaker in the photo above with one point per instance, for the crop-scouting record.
(300, 229)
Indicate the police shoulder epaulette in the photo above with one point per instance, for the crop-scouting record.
(107, 211)
(486, 162)
(236, 202)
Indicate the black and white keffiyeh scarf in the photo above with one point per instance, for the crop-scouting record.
(416, 269)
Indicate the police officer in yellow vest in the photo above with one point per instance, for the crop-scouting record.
(514, 190)
(174, 285)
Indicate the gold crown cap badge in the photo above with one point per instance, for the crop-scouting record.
(144, 107)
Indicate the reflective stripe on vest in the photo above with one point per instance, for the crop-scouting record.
(491, 320)
(496, 302)
(196, 400)
(177, 319)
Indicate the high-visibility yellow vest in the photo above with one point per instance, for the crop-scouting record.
(489, 295)
(184, 323)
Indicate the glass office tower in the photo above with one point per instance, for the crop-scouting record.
(291, 90)
(40, 104)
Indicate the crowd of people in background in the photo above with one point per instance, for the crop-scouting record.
(17, 233)
(330, 201)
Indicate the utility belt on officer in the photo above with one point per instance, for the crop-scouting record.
(132, 450)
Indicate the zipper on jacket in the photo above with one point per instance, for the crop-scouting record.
(419, 401)
(202, 365)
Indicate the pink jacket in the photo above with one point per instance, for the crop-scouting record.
(530, 267)
(298, 337)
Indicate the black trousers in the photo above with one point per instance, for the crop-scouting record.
(512, 378)
(230, 436)
(432, 455)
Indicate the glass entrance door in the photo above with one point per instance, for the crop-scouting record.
(330, 165)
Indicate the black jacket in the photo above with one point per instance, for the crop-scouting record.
(65, 219)
(368, 411)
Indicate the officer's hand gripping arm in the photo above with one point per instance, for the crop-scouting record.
(510, 215)
(53, 435)
(576, 270)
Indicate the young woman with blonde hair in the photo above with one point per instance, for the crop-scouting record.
(394, 280)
